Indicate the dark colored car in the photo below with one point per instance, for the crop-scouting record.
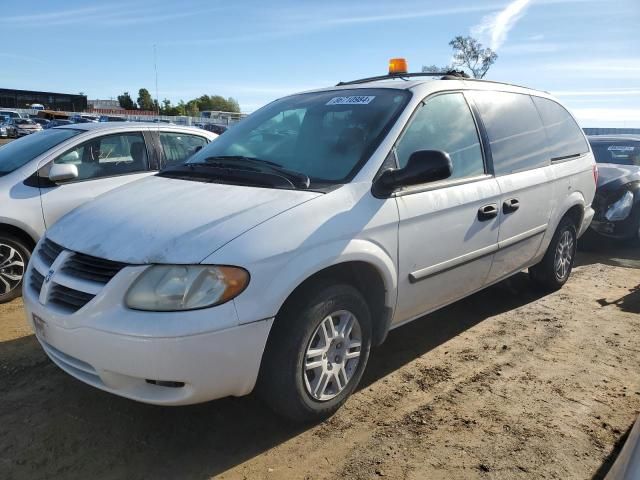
(43, 122)
(211, 127)
(617, 200)
(111, 118)
(58, 122)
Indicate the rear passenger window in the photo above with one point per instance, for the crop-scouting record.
(516, 135)
(445, 123)
(179, 146)
(563, 133)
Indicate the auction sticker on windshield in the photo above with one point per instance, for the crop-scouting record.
(352, 100)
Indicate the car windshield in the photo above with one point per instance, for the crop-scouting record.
(24, 121)
(620, 153)
(326, 136)
(17, 153)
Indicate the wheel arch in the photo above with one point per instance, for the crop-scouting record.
(364, 276)
(20, 233)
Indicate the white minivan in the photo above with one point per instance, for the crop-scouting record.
(278, 255)
(46, 174)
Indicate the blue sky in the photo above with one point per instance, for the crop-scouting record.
(587, 52)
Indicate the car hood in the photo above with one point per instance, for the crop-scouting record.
(164, 220)
(28, 126)
(612, 176)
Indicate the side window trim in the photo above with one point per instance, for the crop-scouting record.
(154, 153)
(483, 135)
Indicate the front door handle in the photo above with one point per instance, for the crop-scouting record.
(488, 212)
(511, 205)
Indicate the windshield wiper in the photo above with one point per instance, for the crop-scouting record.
(204, 172)
(237, 162)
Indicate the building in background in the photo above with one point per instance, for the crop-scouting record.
(104, 105)
(50, 100)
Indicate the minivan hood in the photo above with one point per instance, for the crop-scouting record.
(165, 220)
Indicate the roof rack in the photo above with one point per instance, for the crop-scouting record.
(402, 76)
(449, 75)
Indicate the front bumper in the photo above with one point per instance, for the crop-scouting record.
(158, 358)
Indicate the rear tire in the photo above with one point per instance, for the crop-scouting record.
(14, 257)
(556, 265)
(316, 353)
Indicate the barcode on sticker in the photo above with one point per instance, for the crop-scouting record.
(352, 100)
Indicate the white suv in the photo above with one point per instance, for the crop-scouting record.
(278, 255)
(45, 175)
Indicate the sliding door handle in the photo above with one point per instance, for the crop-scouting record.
(488, 212)
(511, 205)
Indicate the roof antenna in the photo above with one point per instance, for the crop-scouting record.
(155, 66)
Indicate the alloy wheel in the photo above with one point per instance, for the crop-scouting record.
(332, 355)
(12, 266)
(564, 255)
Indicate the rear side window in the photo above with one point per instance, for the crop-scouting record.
(516, 135)
(563, 133)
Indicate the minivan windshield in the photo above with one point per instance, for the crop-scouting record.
(323, 136)
(17, 153)
(620, 153)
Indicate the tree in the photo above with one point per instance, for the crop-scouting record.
(216, 103)
(145, 102)
(470, 54)
(126, 101)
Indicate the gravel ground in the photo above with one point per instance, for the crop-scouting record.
(506, 384)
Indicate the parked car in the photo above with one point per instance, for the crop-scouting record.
(617, 200)
(44, 176)
(43, 122)
(4, 132)
(57, 122)
(19, 127)
(83, 118)
(212, 127)
(279, 254)
(111, 118)
(10, 114)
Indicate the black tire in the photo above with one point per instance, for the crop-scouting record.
(22, 253)
(545, 274)
(282, 383)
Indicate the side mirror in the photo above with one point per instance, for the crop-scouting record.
(423, 166)
(63, 172)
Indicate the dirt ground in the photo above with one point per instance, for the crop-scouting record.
(506, 384)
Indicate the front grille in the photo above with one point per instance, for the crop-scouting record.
(49, 251)
(37, 279)
(76, 281)
(92, 268)
(68, 298)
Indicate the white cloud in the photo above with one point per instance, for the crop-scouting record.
(597, 93)
(496, 27)
(620, 115)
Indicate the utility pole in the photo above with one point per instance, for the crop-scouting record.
(155, 66)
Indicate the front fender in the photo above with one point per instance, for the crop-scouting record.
(273, 280)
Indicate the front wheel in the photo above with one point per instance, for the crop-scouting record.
(317, 353)
(14, 256)
(556, 265)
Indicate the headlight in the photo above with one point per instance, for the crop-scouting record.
(621, 209)
(167, 288)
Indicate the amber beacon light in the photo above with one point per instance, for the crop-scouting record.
(398, 66)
